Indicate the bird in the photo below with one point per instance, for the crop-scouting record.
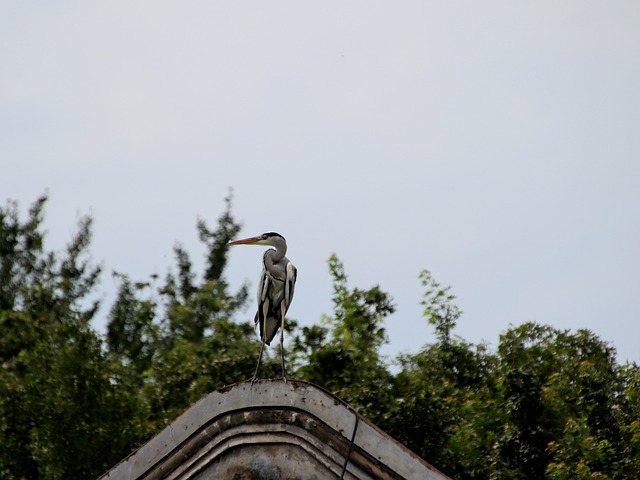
(275, 290)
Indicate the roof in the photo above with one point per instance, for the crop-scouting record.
(272, 430)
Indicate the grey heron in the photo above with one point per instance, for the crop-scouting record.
(275, 290)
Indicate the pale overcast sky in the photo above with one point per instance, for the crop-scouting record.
(494, 143)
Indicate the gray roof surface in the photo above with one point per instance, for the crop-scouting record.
(272, 430)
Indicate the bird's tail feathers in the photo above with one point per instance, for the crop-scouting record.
(273, 325)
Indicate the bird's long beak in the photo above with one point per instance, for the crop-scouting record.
(245, 241)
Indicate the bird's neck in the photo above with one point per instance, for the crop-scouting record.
(275, 255)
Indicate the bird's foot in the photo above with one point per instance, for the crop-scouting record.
(253, 379)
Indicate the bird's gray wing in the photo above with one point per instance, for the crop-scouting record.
(290, 283)
(263, 300)
(263, 286)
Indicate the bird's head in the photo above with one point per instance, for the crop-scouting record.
(270, 239)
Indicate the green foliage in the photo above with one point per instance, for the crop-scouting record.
(439, 309)
(178, 340)
(447, 389)
(61, 414)
(78, 417)
(545, 404)
(551, 382)
(579, 454)
(629, 461)
(343, 354)
(132, 334)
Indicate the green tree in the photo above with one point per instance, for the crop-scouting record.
(546, 404)
(179, 340)
(629, 463)
(343, 354)
(560, 394)
(61, 415)
(443, 404)
(132, 336)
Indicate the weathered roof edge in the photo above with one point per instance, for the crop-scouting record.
(274, 394)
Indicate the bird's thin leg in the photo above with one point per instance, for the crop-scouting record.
(263, 337)
(255, 375)
(282, 310)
